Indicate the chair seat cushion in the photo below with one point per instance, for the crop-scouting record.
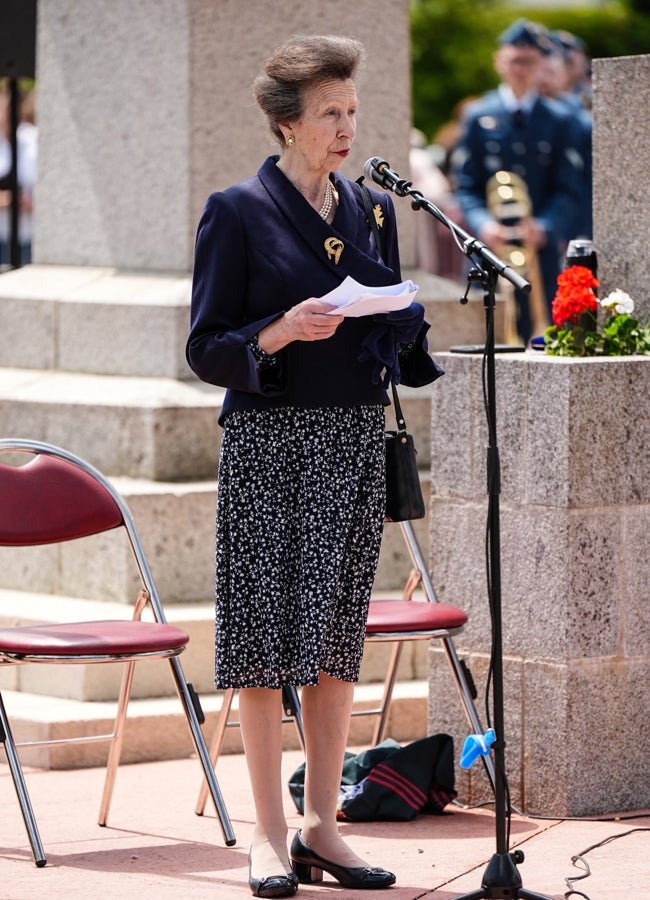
(412, 615)
(92, 638)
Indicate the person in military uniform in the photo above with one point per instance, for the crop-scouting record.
(514, 130)
(557, 81)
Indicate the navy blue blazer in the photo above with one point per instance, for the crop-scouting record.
(261, 248)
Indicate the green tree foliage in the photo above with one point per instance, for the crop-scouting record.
(453, 42)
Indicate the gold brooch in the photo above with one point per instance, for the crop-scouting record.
(379, 215)
(334, 248)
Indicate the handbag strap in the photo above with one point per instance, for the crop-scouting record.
(399, 415)
(370, 215)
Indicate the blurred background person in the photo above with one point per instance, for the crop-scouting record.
(436, 250)
(555, 82)
(515, 130)
(578, 65)
(27, 145)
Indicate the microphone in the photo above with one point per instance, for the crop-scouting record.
(379, 171)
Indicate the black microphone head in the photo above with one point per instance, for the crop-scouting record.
(371, 168)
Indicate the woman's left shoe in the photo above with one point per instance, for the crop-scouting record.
(309, 868)
(273, 885)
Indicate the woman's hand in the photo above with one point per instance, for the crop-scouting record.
(307, 321)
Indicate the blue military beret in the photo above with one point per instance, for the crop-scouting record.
(524, 33)
(569, 41)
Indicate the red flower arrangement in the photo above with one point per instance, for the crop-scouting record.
(575, 295)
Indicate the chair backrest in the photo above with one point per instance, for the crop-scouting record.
(50, 499)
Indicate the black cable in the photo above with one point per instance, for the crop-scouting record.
(616, 818)
(524, 815)
(580, 858)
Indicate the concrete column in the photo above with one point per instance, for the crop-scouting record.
(145, 108)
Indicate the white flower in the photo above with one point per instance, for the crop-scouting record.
(619, 302)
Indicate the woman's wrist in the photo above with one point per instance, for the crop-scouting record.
(274, 337)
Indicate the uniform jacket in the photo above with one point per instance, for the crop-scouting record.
(546, 153)
(261, 249)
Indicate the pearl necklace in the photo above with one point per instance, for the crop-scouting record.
(328, 202)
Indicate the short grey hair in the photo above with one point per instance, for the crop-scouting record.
(300, 62)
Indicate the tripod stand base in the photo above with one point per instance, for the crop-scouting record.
(501, 879)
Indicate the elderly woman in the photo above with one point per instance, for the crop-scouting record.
(301, 475)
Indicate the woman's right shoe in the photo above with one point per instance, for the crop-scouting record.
(273, 885)
(309, 868)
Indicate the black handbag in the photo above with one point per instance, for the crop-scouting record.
(404, 499)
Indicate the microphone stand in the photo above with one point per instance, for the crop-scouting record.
(501, 878)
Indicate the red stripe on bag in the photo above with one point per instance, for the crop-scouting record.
(398, 778)
(439, 797)
(401, 786)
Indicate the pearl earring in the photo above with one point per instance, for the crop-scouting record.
(291, 141)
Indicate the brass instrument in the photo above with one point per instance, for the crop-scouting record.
(509, 202)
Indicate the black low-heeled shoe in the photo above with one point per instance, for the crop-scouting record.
(309, 868)
(273, 885)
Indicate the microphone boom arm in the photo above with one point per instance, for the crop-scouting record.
(468, 245)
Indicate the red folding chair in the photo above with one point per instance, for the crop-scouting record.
(57, 497)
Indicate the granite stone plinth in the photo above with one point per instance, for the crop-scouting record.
(573, 437)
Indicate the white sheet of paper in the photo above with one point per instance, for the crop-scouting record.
(351, 298)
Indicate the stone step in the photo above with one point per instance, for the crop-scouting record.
(147, 428)
(176, 527)
(156, 728)
(154, 428)
(152, 677)
(107, 322)
(95, 320)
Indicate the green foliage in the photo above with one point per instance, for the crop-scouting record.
(620, 335)
(453, 41)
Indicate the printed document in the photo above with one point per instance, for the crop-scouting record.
(353, 299)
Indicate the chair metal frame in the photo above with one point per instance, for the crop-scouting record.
(420, 575)
(158, 629)
(444, 632)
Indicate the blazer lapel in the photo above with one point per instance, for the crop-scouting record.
(336, 248)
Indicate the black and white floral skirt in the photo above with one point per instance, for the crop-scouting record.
(299, 522)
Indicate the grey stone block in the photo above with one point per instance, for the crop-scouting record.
(114, 186)
(127, 175)
(621, 157)
(142, 337)
(634, 556)
(573, 554)
(176, 526)
(586, 727)
(591, 431)
(551, 414)
(457, 466)
(96, 321)
(147, 428)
